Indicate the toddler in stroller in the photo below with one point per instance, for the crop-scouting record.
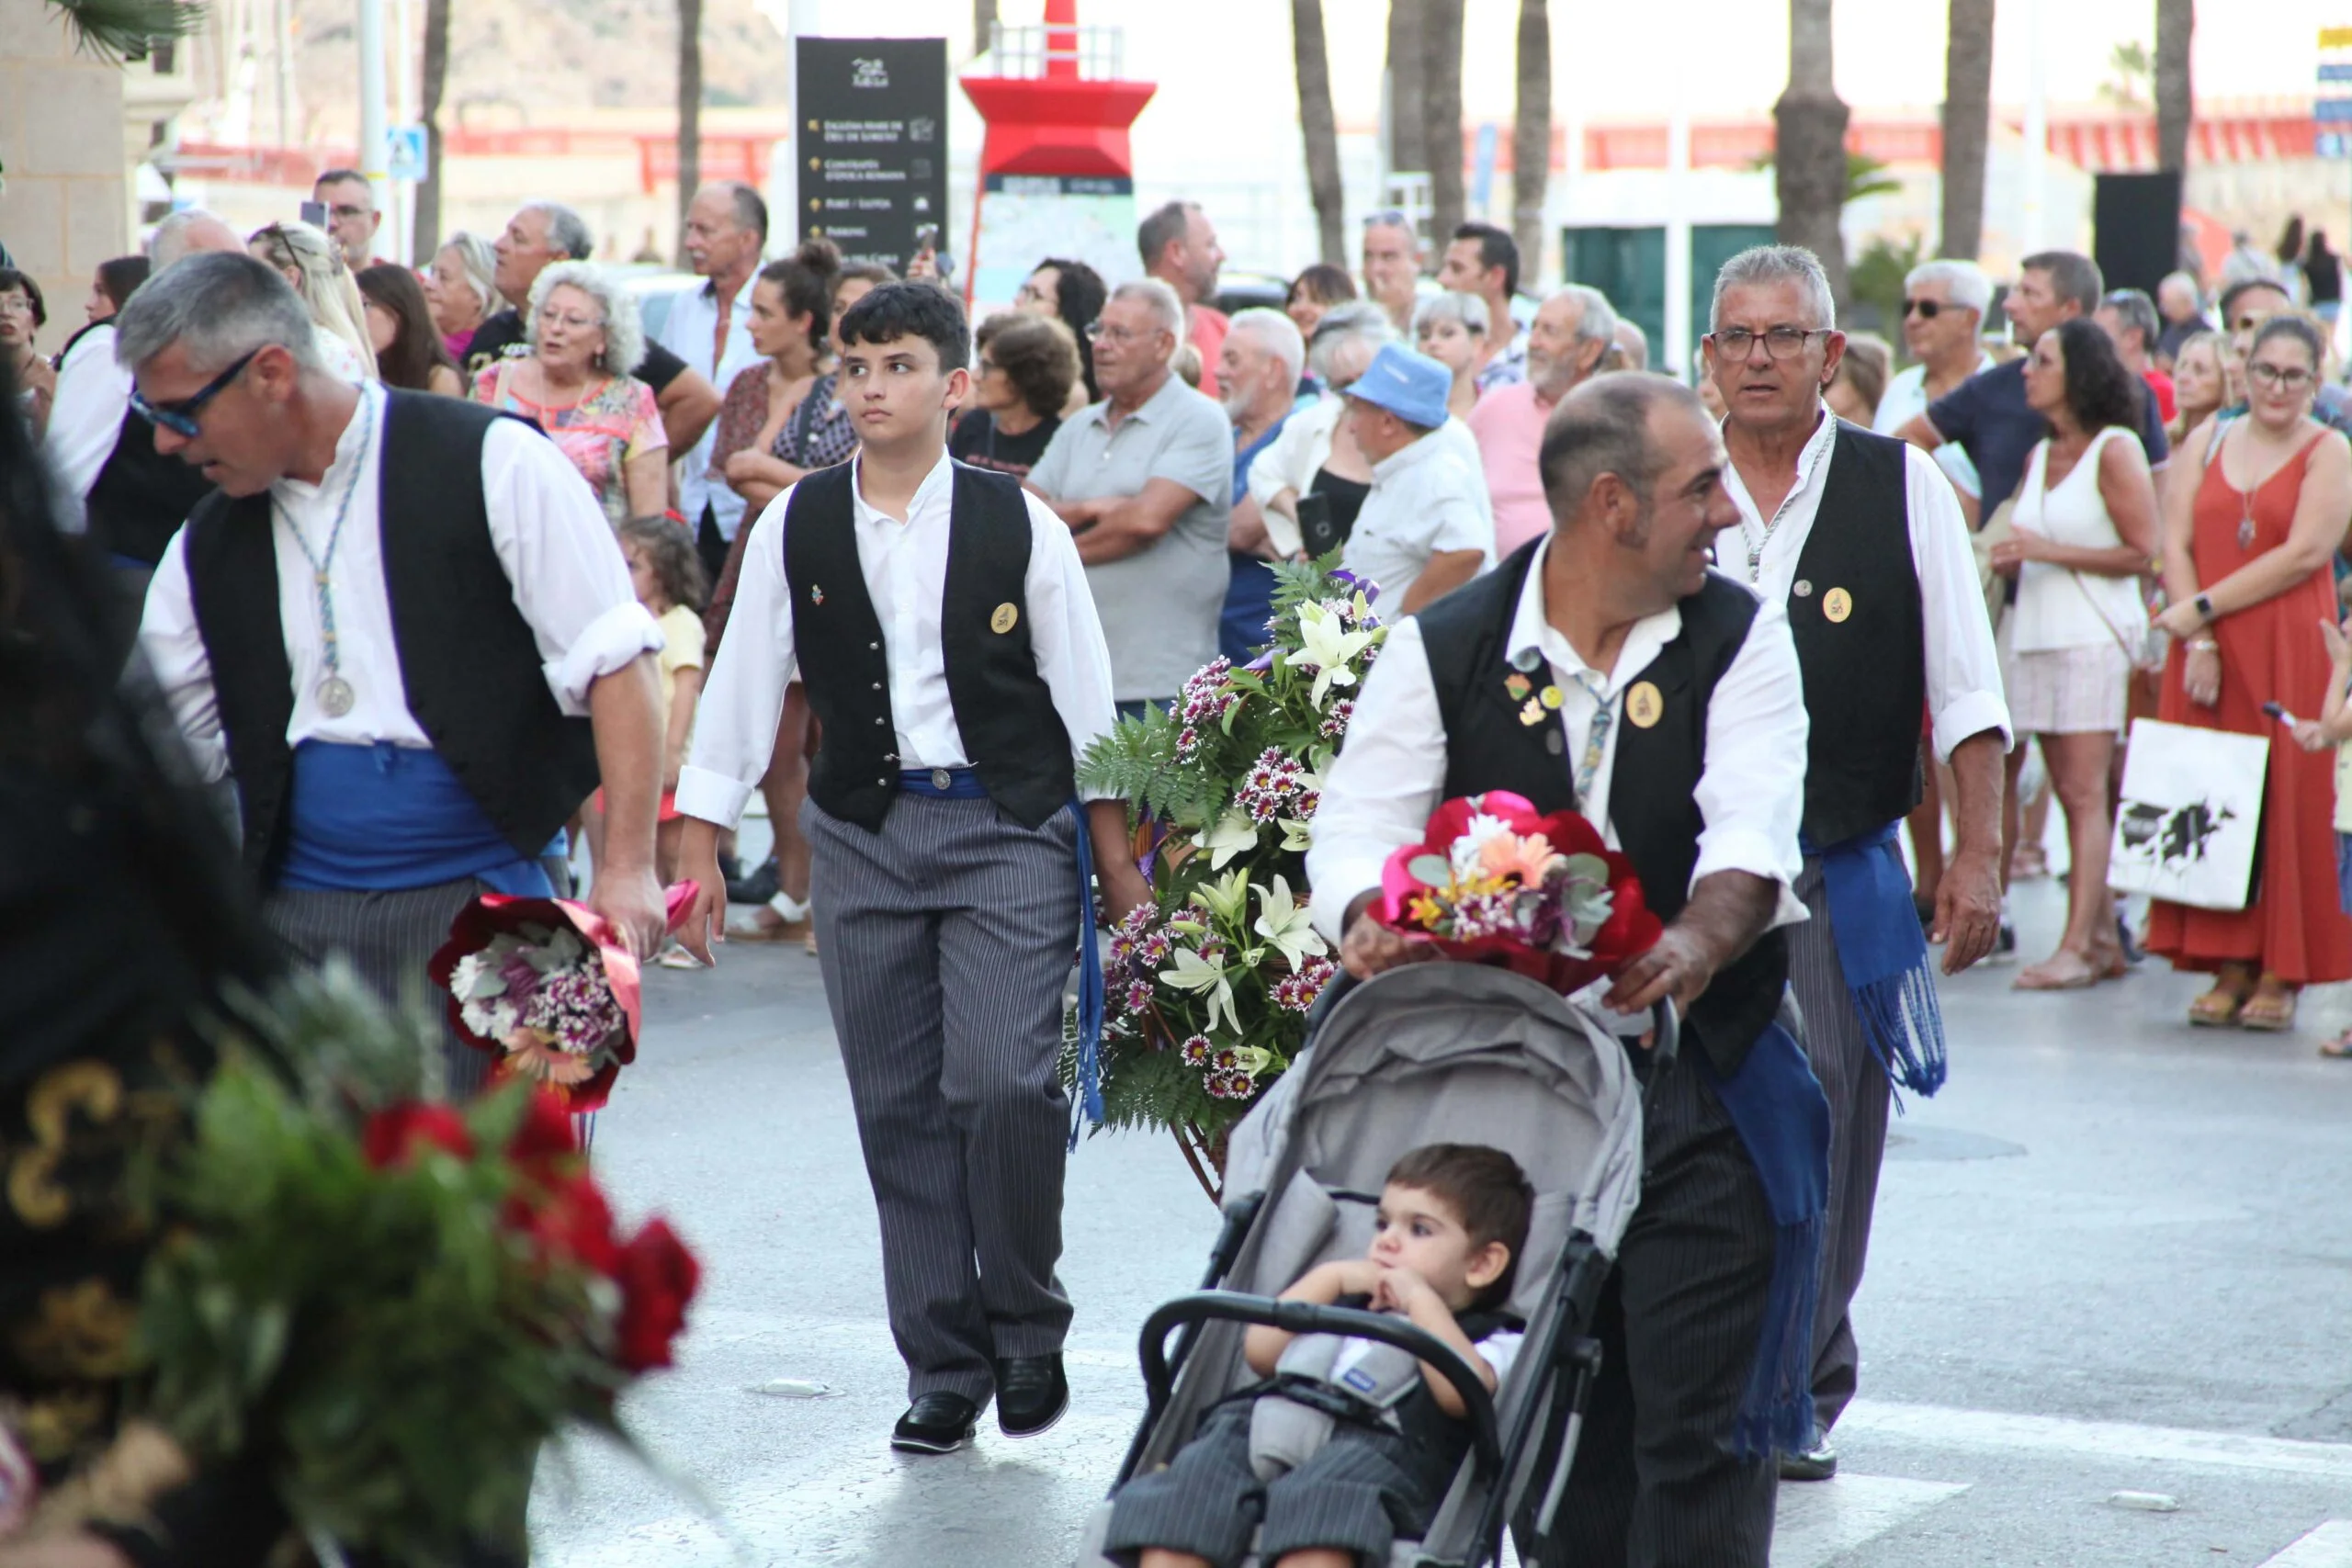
(1350, 1444)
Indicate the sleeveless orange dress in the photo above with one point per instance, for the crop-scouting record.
(2294, 926)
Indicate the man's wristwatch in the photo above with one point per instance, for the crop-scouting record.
(2204, 602)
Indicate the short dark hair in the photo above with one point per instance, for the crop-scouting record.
(1496, 248)
(2302, 328)
(1167, 222)
(343, 176)
(677, 564)
(751, 208)
(894, 311)
(2099, 391)
(1484, 1187)
(1080, 295)
(1323, 283)
(120, 278)
(805, 280)
(2074, 275)
(2244, 286)
(1603, 427)
(1038, 354)
(11, 278)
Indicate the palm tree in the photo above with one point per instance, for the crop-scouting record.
(983, 24)
(2176, 19)
(433, 80)
(121, 29)
(1317, 129)
(1408, 123)
(1441, 114)
(689, 110)
(1809, 167)
(1968, 118)
(1530, 135)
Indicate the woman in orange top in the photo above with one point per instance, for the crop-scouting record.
(2247, 555)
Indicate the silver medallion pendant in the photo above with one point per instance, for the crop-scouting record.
(335, 696)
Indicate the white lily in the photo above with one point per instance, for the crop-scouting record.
(1228, 836)
(1327, 647)
(1204, 976)
(1297, 836)
(1285, 925)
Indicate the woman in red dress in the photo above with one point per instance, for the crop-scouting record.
(2252, 522)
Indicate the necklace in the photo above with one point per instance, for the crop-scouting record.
(1755, 543)
(334, 695)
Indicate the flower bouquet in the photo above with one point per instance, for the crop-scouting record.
(543, 985)
(1209, 987)
(1493, 880)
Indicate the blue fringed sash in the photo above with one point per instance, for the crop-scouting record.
(379, 817)
(1781, 1114)
(1885, 957)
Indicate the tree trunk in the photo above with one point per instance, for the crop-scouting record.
(2176, 106)
(983, 24)
(1317, 129)
(1809, 156)
(432, 80)
(1531, 136)
(1968, 119)
(690, 115)
(1408, 119)
(1441, 112)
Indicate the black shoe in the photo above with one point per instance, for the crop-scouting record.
(2005, 945)
(1031, 1393)
(1818, 1462)
(935, 1423)
(758, 888)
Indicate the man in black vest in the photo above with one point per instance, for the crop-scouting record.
(401, 624)
(939, 619)
(1860, 537)
(1604, 667)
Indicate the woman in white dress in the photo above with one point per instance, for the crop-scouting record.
(2085, 532)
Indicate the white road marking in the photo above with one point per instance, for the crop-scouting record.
(2330, 1546)
(1940, 1427)
(1820, 1519)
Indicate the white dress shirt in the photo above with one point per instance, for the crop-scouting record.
(1906, 399)
(1965, 695)
(1390, 772)
(1425, 500)
(690, 331)
(570, 583)
(904, 561)
(1304, 445)
(85, 420)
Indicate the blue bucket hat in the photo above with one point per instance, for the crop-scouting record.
(1411, 386)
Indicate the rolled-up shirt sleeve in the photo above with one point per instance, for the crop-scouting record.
(1964, 693)
(1751, 794)
(174, 649)
(1382, 787)
(569, 579)
(1066, 636)
(743, 697)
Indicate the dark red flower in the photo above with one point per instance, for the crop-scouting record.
(657, 1276)
(393, 1136)
(567, 1221)
(544, 1135)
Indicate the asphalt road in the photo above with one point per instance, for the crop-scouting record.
(2114, 1255)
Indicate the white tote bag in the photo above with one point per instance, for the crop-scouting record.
(2192, 807)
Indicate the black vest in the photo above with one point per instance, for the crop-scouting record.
(141, 497)
(1866, 675)
(1004, 709)
(467, 658)
(1654, 785)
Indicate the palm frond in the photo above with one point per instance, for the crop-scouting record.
(116, 30)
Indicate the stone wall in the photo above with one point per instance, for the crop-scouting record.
(65, 205)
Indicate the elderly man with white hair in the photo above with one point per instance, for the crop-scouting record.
(1145, 481)
(2182, 305)
(1566, 344)
(1259, 365)
(1943, 312)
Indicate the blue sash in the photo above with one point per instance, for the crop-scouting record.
(381, 817)
(1884, 957)
(963, 783)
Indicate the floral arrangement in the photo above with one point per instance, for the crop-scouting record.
(1494, 881)
(1209, 987)
(383, 1303)
(543, 985)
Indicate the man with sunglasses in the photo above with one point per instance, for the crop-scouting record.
(1943, 311)
(402, 625)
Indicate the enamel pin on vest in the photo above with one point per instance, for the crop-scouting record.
(1005, 618)
(1836, 605)
(1643, 704)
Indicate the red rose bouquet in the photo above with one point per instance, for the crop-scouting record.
(1493, 880)
(546, 987)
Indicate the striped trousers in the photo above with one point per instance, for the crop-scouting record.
(948, 938)
(1839, 1049)
(1654, 1482)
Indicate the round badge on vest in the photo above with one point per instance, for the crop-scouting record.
(1837, 604)
(1643, 704)
(1005, 618)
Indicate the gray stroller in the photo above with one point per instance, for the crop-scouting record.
(1430, 1052)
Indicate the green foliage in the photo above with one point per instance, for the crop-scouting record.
(1876, 282)
(2131, 75)
(1864, 175)
(116, 30)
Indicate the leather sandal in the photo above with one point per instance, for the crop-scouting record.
(2270, 1010)
(2217, 1008)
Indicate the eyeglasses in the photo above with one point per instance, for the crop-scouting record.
(2287, 378)
(349, 211)
(1780, 343)
(1926, 309)
(1098, 332)
(179, 418)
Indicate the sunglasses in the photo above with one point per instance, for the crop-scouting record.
(179, 418)
(1926, 309)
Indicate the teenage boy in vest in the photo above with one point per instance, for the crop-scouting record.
(940, 621)
(401, 625)
(1861, 537)
(1605, 667)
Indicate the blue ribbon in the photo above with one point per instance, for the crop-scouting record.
(963, 783)
(1884, 955)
